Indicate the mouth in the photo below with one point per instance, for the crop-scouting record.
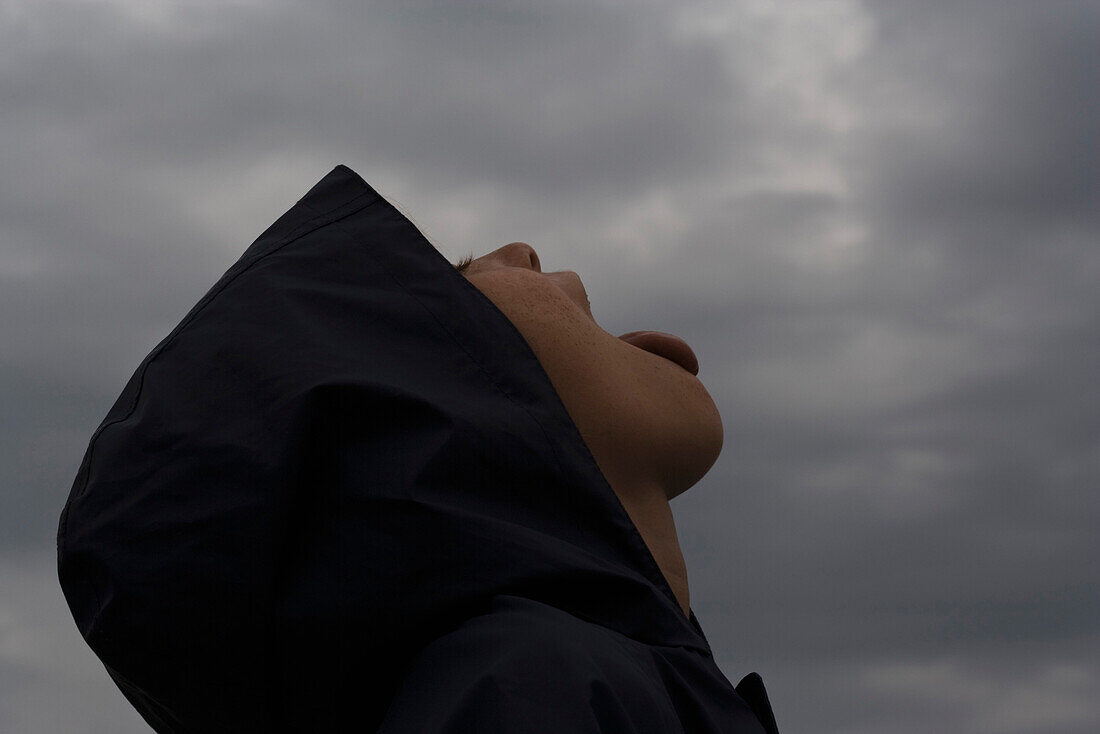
(669, 346)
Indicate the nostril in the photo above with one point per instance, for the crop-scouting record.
(523, 253)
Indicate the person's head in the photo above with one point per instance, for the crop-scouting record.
(647, 419)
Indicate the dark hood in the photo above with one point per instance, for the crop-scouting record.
(342, 452)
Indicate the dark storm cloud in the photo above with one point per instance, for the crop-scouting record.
(474, 93)
(930, 438)
(875, 224)
(913, 433)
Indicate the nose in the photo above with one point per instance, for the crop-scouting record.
(519, 254)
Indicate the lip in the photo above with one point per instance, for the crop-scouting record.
(669, 346)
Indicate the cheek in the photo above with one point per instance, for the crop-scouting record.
(625, 401)
(542, 311)
(573, 350)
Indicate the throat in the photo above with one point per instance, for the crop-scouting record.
(652, 515)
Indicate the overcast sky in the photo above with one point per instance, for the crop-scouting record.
(877, 224)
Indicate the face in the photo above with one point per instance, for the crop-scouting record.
(635, 399)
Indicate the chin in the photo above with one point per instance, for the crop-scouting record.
(692, 442)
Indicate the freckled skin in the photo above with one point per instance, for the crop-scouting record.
(652, 427)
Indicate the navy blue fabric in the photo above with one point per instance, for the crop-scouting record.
(342, 494)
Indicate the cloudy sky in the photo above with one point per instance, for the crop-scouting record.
(877, 224)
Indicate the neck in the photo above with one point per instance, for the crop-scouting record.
(648, 507)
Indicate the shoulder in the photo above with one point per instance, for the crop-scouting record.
(533, 670)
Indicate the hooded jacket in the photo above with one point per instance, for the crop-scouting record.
(343, 495)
